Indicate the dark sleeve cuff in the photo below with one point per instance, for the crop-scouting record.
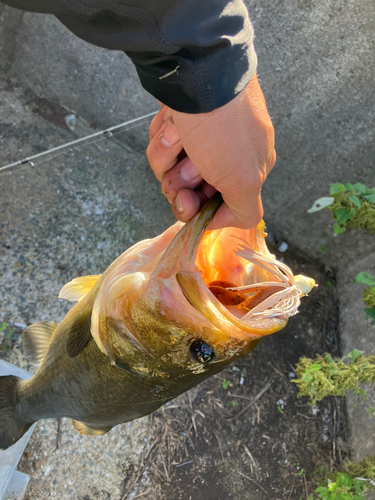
(198, 85)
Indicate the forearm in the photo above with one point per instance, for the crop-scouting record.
(194, 56)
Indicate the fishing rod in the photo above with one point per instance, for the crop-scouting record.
(107, 133)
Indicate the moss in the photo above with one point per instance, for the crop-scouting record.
(364, 217)
(364, 469)
(324, 376)
(369, 296)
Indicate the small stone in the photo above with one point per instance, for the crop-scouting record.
(37, 464)
(71, 121)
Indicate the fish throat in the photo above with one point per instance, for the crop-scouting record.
(240, 272)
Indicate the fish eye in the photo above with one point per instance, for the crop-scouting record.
(201, 351)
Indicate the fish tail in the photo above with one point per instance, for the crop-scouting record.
(12, 426)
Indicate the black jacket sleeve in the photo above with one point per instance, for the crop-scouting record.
(192, 55)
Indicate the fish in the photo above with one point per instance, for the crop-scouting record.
(166, 314)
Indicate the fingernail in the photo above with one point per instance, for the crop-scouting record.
(170, 135)
(178, 204)
(188, 171)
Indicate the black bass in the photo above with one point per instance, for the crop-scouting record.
(165, 315)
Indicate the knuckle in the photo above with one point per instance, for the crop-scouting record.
(151, 152)
(148, 152)
(273, 159)
(269, 127)
(155, 125)
(271, 162)
(168, 189)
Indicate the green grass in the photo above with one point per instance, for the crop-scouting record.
(352, 206)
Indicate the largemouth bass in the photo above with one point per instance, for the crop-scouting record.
(165, 315)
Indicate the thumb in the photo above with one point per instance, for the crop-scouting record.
(227, 216)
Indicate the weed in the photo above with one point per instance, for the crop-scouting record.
(368, 295)
(352, 206)
(343, 487)
(325, 376)
(226, 384)
(7, 340)
(349, 484)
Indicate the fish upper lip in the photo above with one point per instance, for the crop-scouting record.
(201, 222)
(181, 251)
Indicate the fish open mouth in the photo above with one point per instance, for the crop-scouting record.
(251, 282)
(237, 279)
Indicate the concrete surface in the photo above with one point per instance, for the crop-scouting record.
(360, 334)
(100, 85)
(316, 68)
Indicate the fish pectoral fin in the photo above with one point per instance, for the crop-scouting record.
(89, 431)
(37, 339)
(79, 335)
(76, 289)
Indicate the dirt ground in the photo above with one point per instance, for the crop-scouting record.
(242, 434)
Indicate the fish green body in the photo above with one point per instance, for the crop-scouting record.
(87, 388)
(142, 333)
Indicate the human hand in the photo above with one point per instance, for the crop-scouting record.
(230, 149)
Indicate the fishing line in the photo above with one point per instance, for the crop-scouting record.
(19, 168)
(78, 149)
(100, 135)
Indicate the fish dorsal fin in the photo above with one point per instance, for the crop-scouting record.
(79, 334)
(37, 339)
(76, 289)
